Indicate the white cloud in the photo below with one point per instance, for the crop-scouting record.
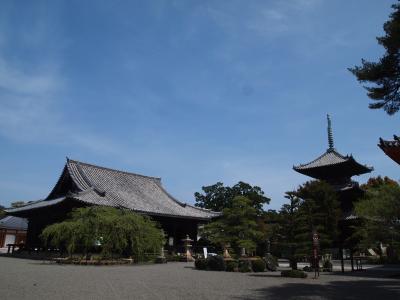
(29, 110)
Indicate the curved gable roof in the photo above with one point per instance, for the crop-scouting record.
(98, 185)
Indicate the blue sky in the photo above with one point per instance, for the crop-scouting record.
(194, 92)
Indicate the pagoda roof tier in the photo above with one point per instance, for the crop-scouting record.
(95, 185)
(331, 165)
(391, 148)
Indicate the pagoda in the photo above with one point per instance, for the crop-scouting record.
(391, 148)
(337, 170)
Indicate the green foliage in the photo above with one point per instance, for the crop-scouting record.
(327, 266)
(200, 264)
(232, 266)
(380, 211)
(216, 263)
(237, 226)
(313, 206)
(271, 262)
(218, 197)
(294, 274)
(2, 212)
(258, 265)
(385, 74)
(288, 227)
(115, 231)
(244, 266)
(18, 204)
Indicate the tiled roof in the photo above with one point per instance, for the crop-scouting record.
(103, 186)
(391, 148)
(11, 222)
(330, 157)
(332, 160)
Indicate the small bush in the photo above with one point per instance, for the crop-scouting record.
(173, 258)
(216, 263)
(200, 264)
(294, 274)
(307, 269)
(271, 263)
(244, 266)
(327, 266)
(258, 265)
(232, 266)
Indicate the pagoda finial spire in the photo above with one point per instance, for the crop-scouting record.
(330, 135)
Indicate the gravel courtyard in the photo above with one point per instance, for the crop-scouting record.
(29, 279)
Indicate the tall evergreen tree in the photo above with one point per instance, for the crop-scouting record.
(385, 74)
(288, 227)
(313, 207)
(237, 226)
(380, 211)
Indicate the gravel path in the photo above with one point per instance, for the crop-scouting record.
(28, 279)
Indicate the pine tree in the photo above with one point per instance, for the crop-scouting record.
(385, 74)
(237, 226)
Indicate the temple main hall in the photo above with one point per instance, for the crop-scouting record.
(82, 184)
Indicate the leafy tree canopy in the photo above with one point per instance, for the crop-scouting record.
(384, 75)
(376, 182)
(2, 212)
(313, 206)
(114, 231)
(218, 197)
(380, 210)
(237, 226)
(17, 204)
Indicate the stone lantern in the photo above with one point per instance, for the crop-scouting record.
(187, 244)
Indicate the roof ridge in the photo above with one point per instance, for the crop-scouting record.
(323, 154)
(113, 170)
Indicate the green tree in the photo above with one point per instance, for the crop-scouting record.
(380, 211)
(218, 197)
(2, 212)
(115, 231)
(319, 210)
(313, 206)
(237, 226)
(17, 204)
(385, 74)
(288, 228)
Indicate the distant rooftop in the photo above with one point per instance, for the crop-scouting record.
(11, 222)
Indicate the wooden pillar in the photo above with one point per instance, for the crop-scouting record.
(351, 259)
(342, 258)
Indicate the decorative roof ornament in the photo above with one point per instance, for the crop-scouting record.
(330, 135)
(332, 164)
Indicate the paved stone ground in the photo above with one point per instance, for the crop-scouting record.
(29, 279)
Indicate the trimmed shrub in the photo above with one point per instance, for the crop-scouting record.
(294, 274)
(244, 266)
(327, 266)
(307, 269)
(232, 266)
(216, 263)
(200, 264)
(271, 262)
(258, 265)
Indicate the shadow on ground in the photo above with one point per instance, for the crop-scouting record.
(351, 289)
